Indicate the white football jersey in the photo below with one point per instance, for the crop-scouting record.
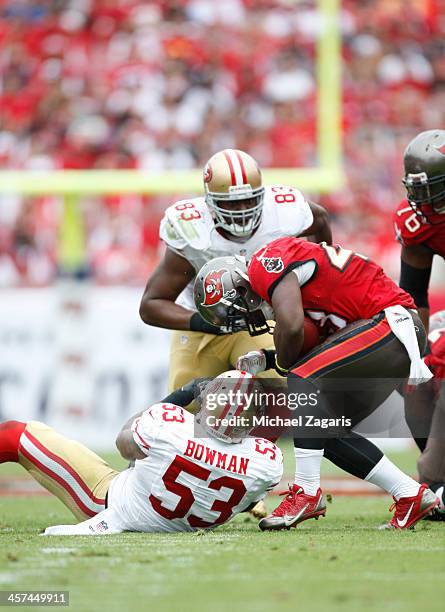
(188, 483)
(188, 229)
(185, 483)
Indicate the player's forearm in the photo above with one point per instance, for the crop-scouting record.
(415, 272)
(323, 232)
(127, 446)
(424, 314)
(288, 346)
(125, 443)
(165, 313)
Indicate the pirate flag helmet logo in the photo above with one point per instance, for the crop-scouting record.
(213, 287)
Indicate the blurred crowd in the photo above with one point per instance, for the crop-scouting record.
(166, 83)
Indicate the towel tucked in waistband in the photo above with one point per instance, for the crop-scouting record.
(402, 326)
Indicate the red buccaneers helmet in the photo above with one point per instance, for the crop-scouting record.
(424, 162)
(224, 298)
(234, 192)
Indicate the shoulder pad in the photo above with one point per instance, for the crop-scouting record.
(187, 223)
(278, 193)
(290, 209)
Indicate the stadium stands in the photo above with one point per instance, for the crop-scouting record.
(127, 84)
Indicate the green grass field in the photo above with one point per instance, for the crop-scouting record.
(340, 563)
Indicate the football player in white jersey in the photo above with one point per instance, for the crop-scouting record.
(190, 472)
(237, 215)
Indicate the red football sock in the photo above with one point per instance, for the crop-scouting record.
(10, 433)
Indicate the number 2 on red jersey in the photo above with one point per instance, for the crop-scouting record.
(339, 257)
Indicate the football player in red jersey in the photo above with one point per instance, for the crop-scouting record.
(420, 219)
(419, 223)
(380, 336)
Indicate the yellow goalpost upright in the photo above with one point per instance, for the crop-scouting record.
(326, 176)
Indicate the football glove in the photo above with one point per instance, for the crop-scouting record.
(252, 362)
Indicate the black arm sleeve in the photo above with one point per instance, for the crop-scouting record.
(186, 394)
(198, 324)
(415, 281)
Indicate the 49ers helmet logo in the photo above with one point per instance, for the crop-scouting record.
(273, 264)
(208, 173)
(213, 287)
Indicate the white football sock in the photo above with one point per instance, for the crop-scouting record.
(307, 469)
(388, 477)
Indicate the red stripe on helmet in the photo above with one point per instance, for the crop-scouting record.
(228, 405)
(243, 169)
(231, 168)
(240, 407)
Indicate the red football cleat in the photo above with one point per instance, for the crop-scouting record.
(409, 510)
(295, 508)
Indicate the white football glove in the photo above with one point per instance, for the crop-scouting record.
(252, 362)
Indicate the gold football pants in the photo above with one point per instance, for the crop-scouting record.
(195, 355)
(68, 469)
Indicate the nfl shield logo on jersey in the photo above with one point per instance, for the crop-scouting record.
(213, 287)
(101, 527)
(273, 264)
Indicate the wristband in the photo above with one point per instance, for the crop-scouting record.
(279, 369)
(270, 358)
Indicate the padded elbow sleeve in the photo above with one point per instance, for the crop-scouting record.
(186, 394)
(415, 281)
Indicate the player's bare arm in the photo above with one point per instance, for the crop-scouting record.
(163, 287)
(289, 318)
(125, 443)
(320, 230)
(415, 272)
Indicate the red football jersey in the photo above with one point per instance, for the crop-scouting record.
(410, 229)
(337, 285)
(436, 360)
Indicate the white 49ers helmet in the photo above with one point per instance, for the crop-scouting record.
(234, 192)
(228, 405)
